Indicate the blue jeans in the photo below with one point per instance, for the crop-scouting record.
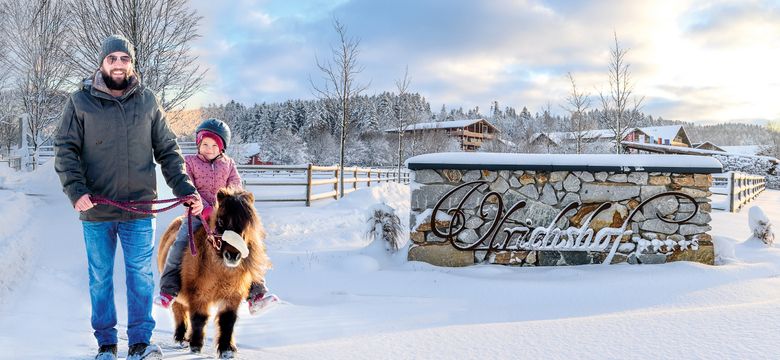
(137, 239)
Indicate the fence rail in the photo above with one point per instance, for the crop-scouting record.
(311, 176)
(740, 188)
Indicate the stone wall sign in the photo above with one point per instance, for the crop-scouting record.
(530, 210)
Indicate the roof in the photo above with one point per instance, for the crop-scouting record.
(745, 149)
(453, 124)
(663, 132)
(589, 134)
(248, 149)
(702, 144)
(670, 149)
(658, 132)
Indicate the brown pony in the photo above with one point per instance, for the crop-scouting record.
(217, 277)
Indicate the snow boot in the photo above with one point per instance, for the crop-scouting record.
(259, 304)
(142, 351)
(164, 300)
(106, 352)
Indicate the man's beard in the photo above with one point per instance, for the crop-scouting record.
(113, 84)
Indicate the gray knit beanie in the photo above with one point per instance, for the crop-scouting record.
(117, 43)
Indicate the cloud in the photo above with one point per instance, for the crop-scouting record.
(467, 53)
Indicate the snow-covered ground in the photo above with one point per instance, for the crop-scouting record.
(346, 299)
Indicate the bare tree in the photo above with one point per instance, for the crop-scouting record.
(401, 122)
(620, 109)
(9, 122)
(340, 85)
(579, 123)
(36, 36)
(548, 127)
(162, 32)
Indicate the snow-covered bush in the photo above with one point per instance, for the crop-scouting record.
(384, 225)
(760, 225)
(752, 165)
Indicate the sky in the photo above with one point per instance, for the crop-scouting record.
(700, 61)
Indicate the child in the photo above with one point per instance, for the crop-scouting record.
(210, 170)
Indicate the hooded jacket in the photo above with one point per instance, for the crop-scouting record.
(210, 176)
(108, 146)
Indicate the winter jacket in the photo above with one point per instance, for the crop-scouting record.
(210, 176)
(108, 146)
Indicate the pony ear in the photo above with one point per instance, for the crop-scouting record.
(221, 194)
(250, 197)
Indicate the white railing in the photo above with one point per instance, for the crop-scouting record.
(738, 187)
(313, 178)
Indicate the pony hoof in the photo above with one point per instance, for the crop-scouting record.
(228, 354)
(195, 349)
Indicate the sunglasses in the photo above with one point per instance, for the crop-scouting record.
(112, 59)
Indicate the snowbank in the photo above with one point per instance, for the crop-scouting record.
(342, 299)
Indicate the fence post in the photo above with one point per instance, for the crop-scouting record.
(355, 174)
(369, 177)
(336, 184)
(308, 185)
(731, 192)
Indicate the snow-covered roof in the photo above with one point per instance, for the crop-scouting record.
(558, 137)
(686, 150)
(453, 124)
(658, 132)
(569, 162)
(663, 132)
(248, 149)
(745, 149)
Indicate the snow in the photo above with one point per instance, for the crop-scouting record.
(760, 225)
(656, 132)
(746, 149)
(635, 162)
(686, 150)
(346, 298)
(453, 124)
(667, 132)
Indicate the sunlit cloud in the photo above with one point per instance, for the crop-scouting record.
(689, 60)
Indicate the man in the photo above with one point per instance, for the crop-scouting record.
(112, 131)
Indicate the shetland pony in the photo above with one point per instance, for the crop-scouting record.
(214, 277)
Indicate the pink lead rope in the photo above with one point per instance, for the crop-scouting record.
(133, 206)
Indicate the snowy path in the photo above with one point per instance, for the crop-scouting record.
(348, 301)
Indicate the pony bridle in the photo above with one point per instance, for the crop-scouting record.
(229, 236)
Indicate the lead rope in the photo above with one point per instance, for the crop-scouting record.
(133, 206)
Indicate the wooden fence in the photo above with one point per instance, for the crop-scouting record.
(739, 188)
(311, 176)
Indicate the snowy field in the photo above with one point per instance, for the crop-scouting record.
(344, 298)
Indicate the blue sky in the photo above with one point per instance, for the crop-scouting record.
(703, 61)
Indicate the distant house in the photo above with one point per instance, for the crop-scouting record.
(760, 150)
(707, 146)
(470, 134)
(249, 154)
(673, 135)
(558, 139)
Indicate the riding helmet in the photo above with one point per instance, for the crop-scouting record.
(217, 127)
